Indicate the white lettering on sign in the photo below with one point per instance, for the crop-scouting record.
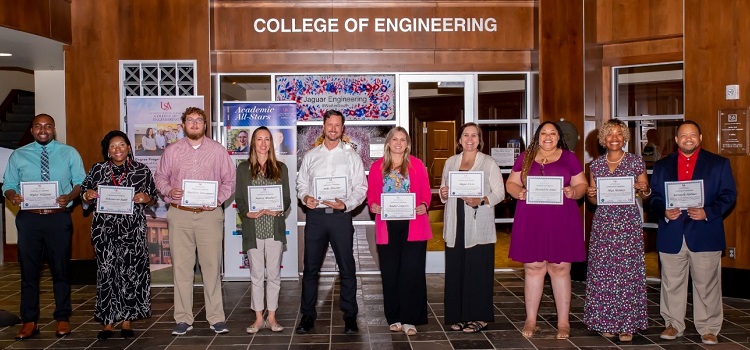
(305, 25)
(379, 25)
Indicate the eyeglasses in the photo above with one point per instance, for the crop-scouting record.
(194, 121)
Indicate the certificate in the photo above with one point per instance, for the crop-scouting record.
(616, 190)
(684, 194)
(466, 184)
(328, 188)
(544, 190)
(39, 195)
(115, 200)
(264, 197)
(398, 206)
(197, 193)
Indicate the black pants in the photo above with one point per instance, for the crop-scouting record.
(402, 265)
(39, 234)
(469, 278)
(320, 229)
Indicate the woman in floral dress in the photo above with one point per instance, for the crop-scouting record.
(616, 281)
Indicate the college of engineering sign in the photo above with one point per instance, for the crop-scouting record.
(378, 25)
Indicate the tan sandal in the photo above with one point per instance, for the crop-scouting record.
(409, 329)
(529, 330)
(396, 327)
(608, 335)
(563, 332)
(626, 337)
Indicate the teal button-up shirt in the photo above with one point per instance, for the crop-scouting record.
(24, 165)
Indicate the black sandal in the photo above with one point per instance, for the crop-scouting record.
(474, 327)
(458, 326)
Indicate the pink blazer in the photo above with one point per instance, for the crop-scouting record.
(419, 228)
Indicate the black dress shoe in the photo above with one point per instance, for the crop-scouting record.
(127, 333)
(305, 325)
(350, 325)
(105, 334)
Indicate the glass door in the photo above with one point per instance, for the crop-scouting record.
(432, 107)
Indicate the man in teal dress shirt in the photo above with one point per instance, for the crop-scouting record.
(48, 230)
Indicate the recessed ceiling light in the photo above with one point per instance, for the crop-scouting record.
(5, 54)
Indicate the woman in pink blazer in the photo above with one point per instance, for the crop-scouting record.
(402, 244)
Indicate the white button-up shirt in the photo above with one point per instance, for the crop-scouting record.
(342, 160)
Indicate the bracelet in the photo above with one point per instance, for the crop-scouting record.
(647, 194)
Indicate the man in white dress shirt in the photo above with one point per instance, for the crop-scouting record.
(330, 220)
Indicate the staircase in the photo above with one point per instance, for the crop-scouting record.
(16, 114)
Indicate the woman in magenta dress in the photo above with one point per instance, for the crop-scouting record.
(547, 238)
(616, 275)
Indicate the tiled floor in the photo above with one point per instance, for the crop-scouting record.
(154, 333)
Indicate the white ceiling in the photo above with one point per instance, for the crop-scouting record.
(30, 51)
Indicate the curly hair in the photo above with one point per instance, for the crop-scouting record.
(533, 148)
(607, 127)
(193, 110)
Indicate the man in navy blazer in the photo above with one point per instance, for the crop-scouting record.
(690, 241)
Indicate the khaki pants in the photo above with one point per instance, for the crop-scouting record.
(203, 231)
(266, 260)
(705, 270)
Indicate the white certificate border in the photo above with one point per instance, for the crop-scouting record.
(413, 212)
(673, 183)
(30, 183)
(546, 178)
(258, 187)
(216, 192)
(100, 189)
(315, 185)
(612, 178)
(473, 172)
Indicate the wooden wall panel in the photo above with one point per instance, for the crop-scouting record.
(643, 52)
(515, 27)
(713, 59)
(47, 18)
(629, 20)
(370, 40)
(241, 49)
(561, 63)
(383, 61)
(104, 32)
(60, 20)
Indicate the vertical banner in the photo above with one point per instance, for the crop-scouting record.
(240, 120)
(152, 124)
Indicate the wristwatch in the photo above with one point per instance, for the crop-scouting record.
(480, 204)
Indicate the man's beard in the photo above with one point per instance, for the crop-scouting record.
(194, 137)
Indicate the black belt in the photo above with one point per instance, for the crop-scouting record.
(328, 210)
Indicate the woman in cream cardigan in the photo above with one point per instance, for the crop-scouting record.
(469, 234)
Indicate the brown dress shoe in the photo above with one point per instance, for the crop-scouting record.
(28, 330)
(63, 328)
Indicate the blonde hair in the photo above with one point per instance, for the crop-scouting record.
(607, 128)
(272, 170)
(402, 169)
